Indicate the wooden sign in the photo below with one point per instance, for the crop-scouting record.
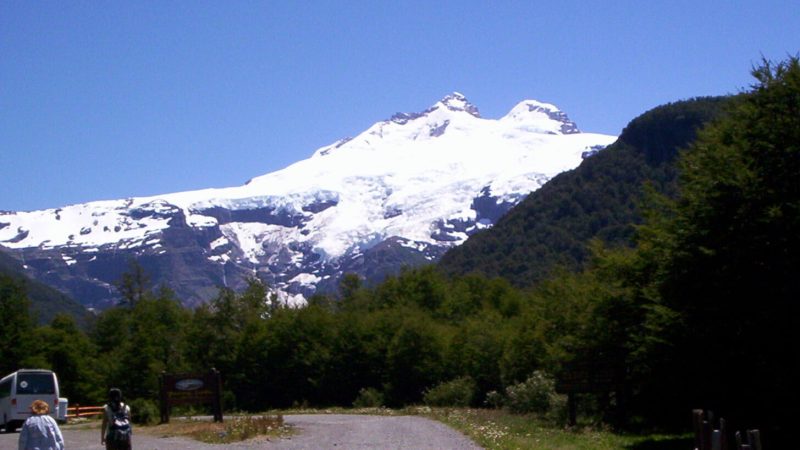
(588, 377)
(191, 389)
(591, 376)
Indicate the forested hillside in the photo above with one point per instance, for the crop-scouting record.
(45, 302)
(602, 199)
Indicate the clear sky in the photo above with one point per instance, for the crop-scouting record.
(114, 99)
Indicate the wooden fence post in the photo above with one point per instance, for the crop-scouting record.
(754, 437)
(217, 388)
(697, 426)
(162, 397)
(572, 407)
(708, 430)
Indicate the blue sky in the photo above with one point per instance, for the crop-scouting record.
(104, 100)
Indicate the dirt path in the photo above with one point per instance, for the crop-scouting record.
(314, 432)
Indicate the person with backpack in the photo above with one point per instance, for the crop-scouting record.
(116, 428)
(40, 431)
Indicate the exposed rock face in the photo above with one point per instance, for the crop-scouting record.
(399, 194)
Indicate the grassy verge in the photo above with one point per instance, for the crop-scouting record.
(496, 429)
(500, 430)
(234, 429)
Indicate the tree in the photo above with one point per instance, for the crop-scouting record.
(414, 360)
(137, 343)
(69, 352)
(728, 275)
(16, 326)
(134, 283)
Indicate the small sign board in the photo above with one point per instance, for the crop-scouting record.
(191, 389)
(588, 377)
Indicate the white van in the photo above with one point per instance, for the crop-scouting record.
(19, 389)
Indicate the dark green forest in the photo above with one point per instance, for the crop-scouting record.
(678, 269)
(45, 301)
(601, 199)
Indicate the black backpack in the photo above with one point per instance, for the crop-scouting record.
(120, 429)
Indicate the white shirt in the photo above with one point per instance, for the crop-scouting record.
(40, 432)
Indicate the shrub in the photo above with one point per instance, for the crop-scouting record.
(537, 394)
(457, 392)
(245, 427)
(237, 428)
(144, 411)
(494, 399)
(368, 398)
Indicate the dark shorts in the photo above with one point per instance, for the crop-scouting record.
(118, 445)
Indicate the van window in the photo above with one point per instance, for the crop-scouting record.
(5, 388)
(35, 383)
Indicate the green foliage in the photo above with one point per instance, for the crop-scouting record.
(413, 359)
(134, 283)
(144, 411)
(726, 276)
(141, 342)
(497, 429)
(537, 395)
(45, 302)
(16, 327)
(369, 398)
(235, 429)
(475, 351)
(69, 352)
(459, 392)
(494, 400)
(243, 428)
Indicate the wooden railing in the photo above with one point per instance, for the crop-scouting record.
(84, 411)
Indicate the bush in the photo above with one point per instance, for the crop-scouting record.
(537, 394)
(245, 427)
(494, 400)
(458, 392)
(144, 411)
(368, 398)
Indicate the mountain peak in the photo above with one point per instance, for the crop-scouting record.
(457, 102)
(533, 110)
(454, 101)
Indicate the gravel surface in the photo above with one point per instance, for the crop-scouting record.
(314, 432)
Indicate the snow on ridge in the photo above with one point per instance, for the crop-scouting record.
(306, 279)
(397, 178)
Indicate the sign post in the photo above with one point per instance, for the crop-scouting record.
(190, 389)
(591, 376)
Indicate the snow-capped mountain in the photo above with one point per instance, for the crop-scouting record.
(400, 193)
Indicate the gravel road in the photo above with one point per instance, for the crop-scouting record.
(314, 432)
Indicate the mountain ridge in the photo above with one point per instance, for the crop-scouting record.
(45, 301)
(417, 183)
(600, 199)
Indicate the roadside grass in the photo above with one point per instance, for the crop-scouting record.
(233, 429)
(497, 429)
(500, 430)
